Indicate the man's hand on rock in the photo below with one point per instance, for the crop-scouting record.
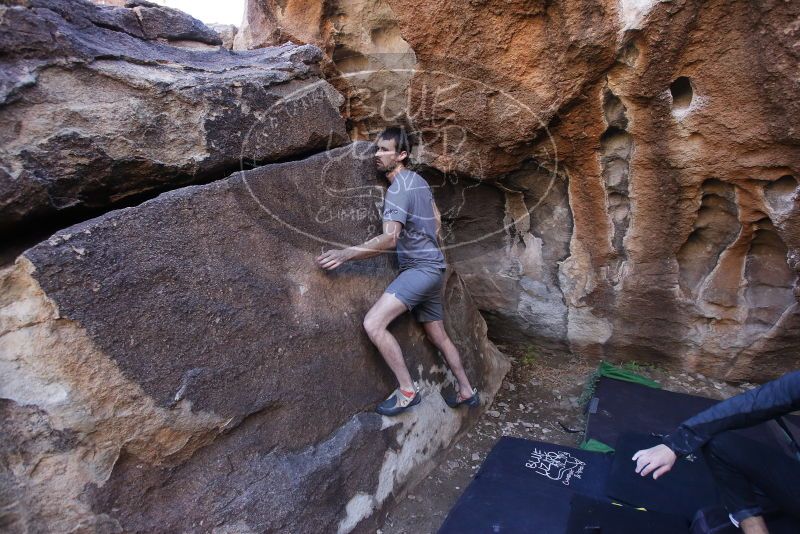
(331, 259)
(657, 460)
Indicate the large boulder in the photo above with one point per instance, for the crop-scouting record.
(621, 176)
(184, 365)
(160, 22)
(479, 81)
(101, 104)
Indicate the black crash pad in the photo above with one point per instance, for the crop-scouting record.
(620, 407)
(592, 516)
(527, 486)
(687, 488)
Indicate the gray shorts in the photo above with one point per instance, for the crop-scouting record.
(420, 289)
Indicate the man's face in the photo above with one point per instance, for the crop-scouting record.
(387, 158)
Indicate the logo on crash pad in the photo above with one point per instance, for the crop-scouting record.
(555, 465)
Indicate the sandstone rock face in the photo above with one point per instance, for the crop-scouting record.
(664, 134)
(182, 365)
(507, 243)
(366, 57)
(100, 104)
(486, 78)
(226, 32)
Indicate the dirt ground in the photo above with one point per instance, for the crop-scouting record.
(540, 399)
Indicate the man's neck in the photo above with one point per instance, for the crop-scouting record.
(391, 175)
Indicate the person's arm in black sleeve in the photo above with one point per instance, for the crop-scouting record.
(761, 404)
(771, 400)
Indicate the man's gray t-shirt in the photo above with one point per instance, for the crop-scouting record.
(409, 201)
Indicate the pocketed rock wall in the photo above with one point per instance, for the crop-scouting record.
(621, 176)
(183, 365)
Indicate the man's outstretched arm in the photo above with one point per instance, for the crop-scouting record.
(333, 258)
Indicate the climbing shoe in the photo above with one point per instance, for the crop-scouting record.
(456, 400)
(398, 402)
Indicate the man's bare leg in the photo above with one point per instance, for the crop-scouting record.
(754, 525)
(438, 336)
(376, 322)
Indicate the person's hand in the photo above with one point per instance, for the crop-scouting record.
(657, 460)
(331, 259)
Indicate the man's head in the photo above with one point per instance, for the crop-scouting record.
(394, 149)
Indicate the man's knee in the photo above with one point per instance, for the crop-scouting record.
(437, 340)
(373, 326)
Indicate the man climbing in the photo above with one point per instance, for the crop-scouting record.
(411, 224)
(739, 465)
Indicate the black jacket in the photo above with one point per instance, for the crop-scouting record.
(769, 401)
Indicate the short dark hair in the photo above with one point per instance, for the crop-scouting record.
(402, 141)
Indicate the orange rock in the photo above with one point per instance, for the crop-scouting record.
(673, 126)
